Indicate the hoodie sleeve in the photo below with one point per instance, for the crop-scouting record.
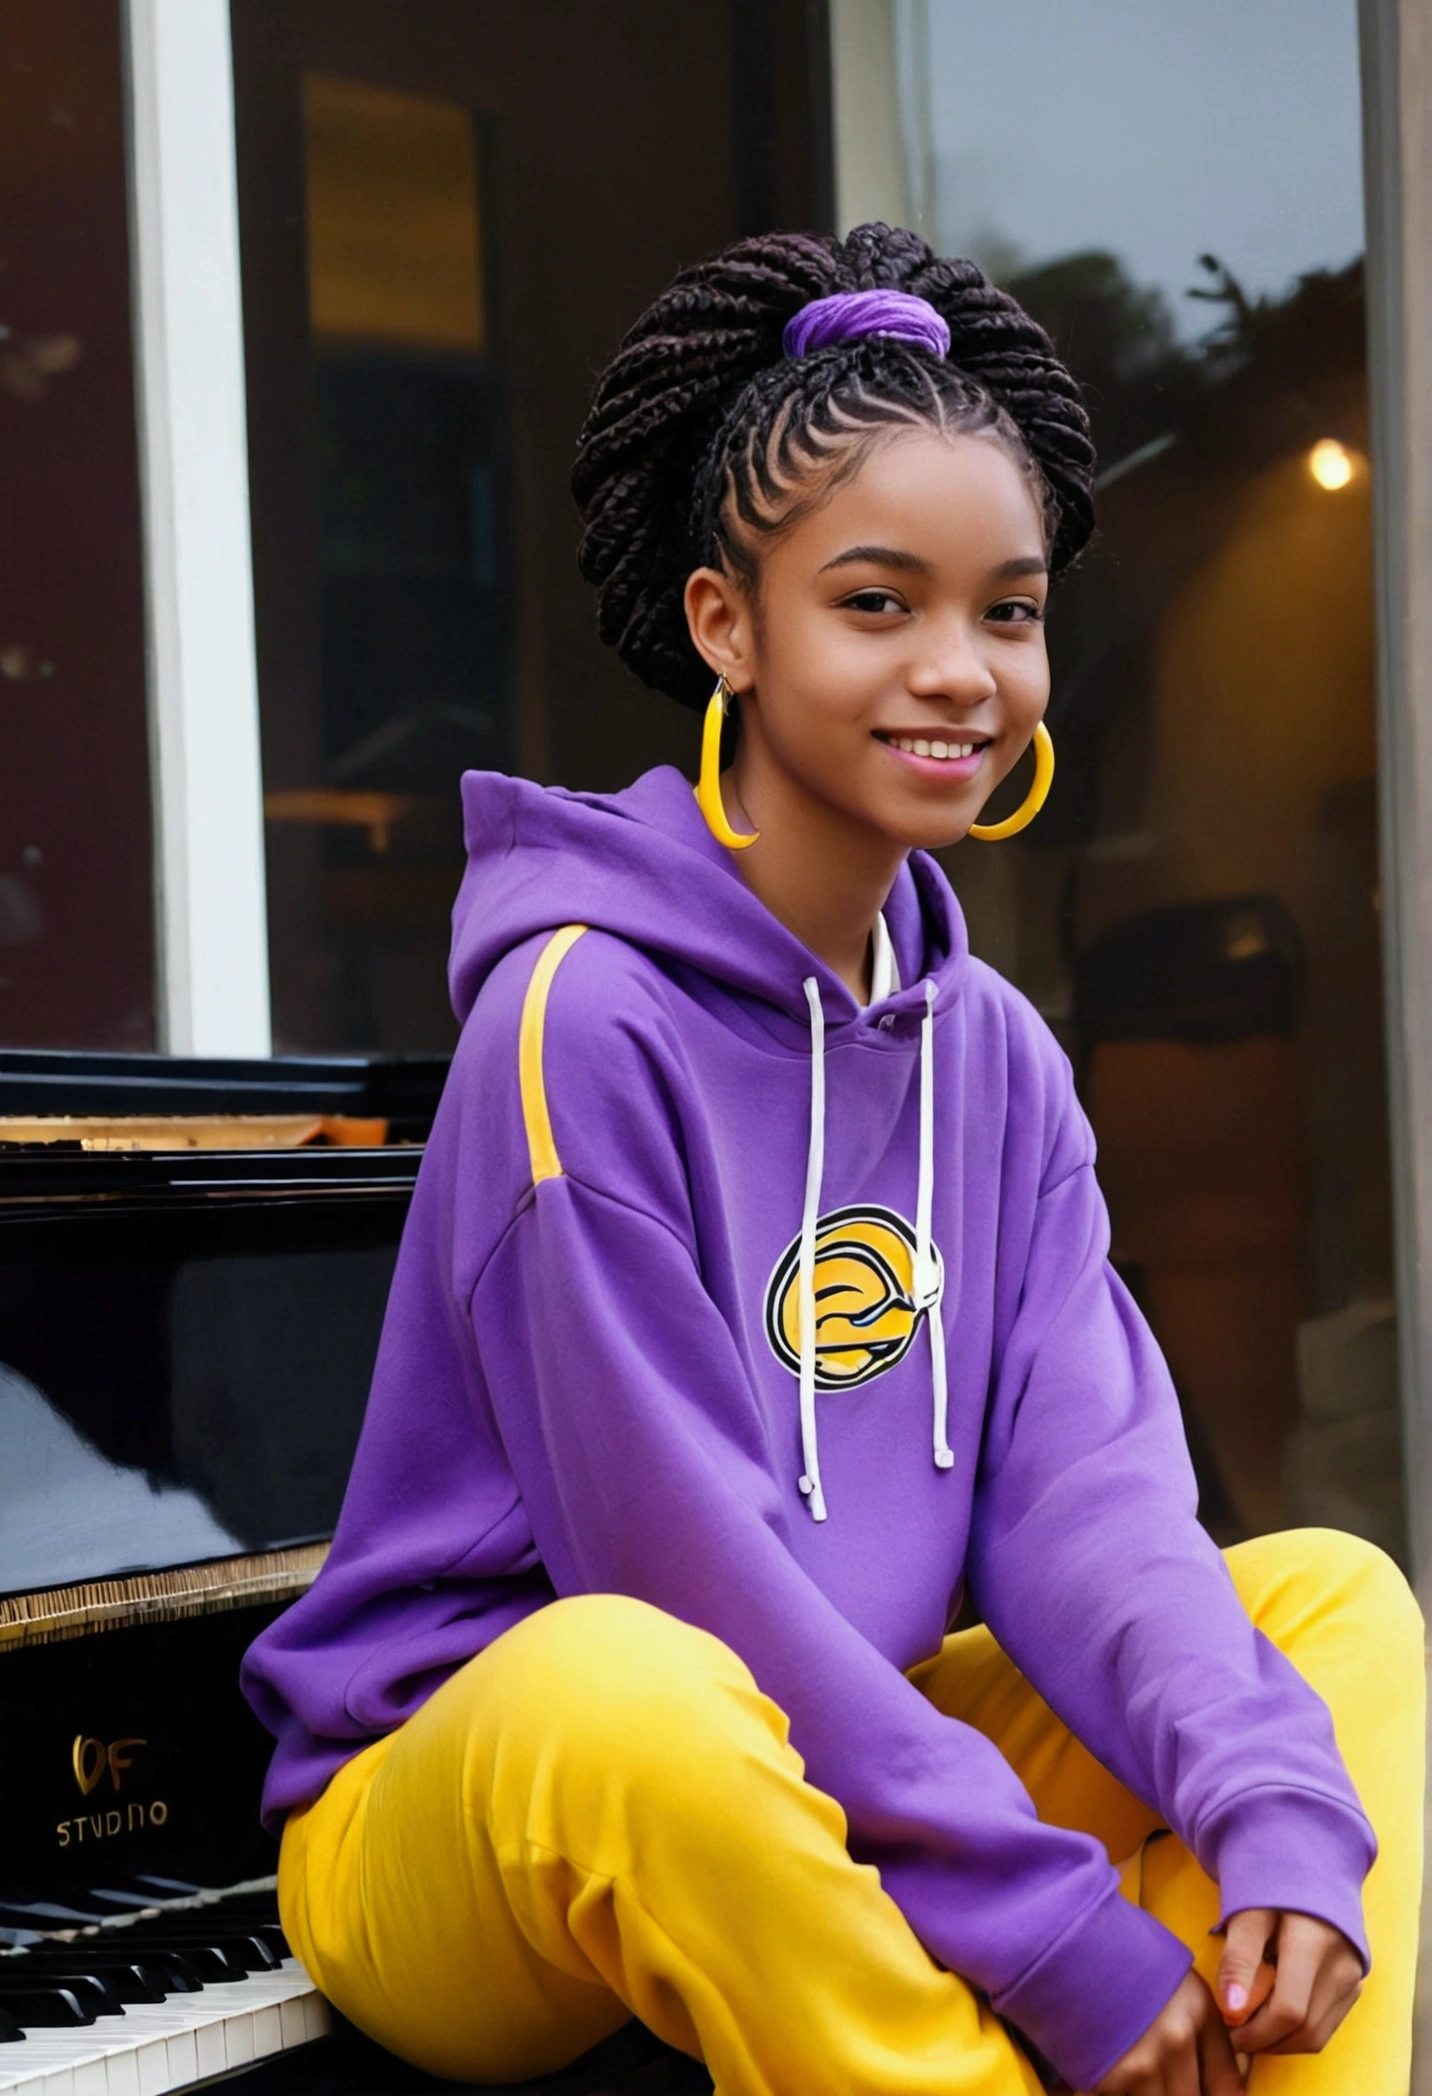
(639, 1451)
(1090, 1567)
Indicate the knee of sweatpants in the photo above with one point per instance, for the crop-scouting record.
(619, 1685)
(1308, 1574)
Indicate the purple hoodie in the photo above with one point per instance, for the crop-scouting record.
(591, 1381)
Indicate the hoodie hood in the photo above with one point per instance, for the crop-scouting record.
(642, 865)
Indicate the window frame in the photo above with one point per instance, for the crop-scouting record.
(211, 928)
(1396, 50)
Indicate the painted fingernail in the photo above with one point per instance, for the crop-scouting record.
(1236, 1997)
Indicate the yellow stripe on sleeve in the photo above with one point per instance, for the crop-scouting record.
(541, 1148)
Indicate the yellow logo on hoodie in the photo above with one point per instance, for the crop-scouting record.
(866, 1307)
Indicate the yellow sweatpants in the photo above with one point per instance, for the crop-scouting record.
(600, 1817)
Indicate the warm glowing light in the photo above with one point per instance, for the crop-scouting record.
(1330, 463)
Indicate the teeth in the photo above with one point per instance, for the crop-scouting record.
(917, 746)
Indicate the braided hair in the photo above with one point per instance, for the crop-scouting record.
(704, 436)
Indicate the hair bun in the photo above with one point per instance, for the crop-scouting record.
(714, 332)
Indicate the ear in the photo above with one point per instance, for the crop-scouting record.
(718, 617)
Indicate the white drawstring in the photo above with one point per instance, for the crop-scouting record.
(929, 1275)
(810, 1216)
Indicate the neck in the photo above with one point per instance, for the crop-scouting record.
(825, 877)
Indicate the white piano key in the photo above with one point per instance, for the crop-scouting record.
(121, 2070)
(158, 2047)
(238, 2041)
(209, 2046)
(183, 2051)
(316, 2018)
(152, 2061)
(268, 2030)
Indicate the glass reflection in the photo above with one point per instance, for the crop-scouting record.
(158, 1407)
(1196, 911)
(443, 231)
(76, 903)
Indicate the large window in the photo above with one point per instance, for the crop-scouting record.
(1177, 194)
(448, 214)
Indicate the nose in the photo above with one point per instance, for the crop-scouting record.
(952, 665)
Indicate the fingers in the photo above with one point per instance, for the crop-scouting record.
(1219, 2074)
(1184, 2052)
(1314, 2034)
(1244, 1964)
(1322, 2029)
(1318, 1979)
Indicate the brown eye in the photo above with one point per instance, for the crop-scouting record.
(872, 600)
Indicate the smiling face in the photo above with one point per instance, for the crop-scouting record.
(890, 655)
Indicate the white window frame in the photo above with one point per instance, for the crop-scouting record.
(1397, 143)
(210, 907)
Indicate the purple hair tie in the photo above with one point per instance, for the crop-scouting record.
(848, 315)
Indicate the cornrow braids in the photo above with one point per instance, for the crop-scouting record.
(704, 437)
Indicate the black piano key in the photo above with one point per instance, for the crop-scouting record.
(207, 1961)
(97, 1989)
(250, 1952)
(170, 1970)
(46, 2008)
(175, 1973)
(10, 2031)
(270, 1929)
(271, 1933)
(131, 1979)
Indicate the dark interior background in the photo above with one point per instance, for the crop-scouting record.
(76, 920)
(612, 144)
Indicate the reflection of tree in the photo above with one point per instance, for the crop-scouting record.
(1119, 337)
(1213, 714)
(1244, 390)
(1180, 430)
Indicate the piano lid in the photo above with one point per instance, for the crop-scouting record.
(403, 1090)
(187, 1337)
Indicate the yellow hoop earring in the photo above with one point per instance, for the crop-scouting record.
(708, 785)
(1029, 807)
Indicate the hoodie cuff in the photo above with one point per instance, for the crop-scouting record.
(1296, 1851)
(1097, 1989)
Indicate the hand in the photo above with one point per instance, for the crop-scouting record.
(1186, 2051)
(1286, 1981)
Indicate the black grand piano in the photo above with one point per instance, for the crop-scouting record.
(194, 1263)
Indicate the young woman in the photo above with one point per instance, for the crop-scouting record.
(753, 1308)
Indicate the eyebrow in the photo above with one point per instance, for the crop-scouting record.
(912, 563)
(878, 557)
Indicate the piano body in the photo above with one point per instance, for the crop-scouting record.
(194, 1263)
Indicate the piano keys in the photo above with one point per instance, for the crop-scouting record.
(171, 2014)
